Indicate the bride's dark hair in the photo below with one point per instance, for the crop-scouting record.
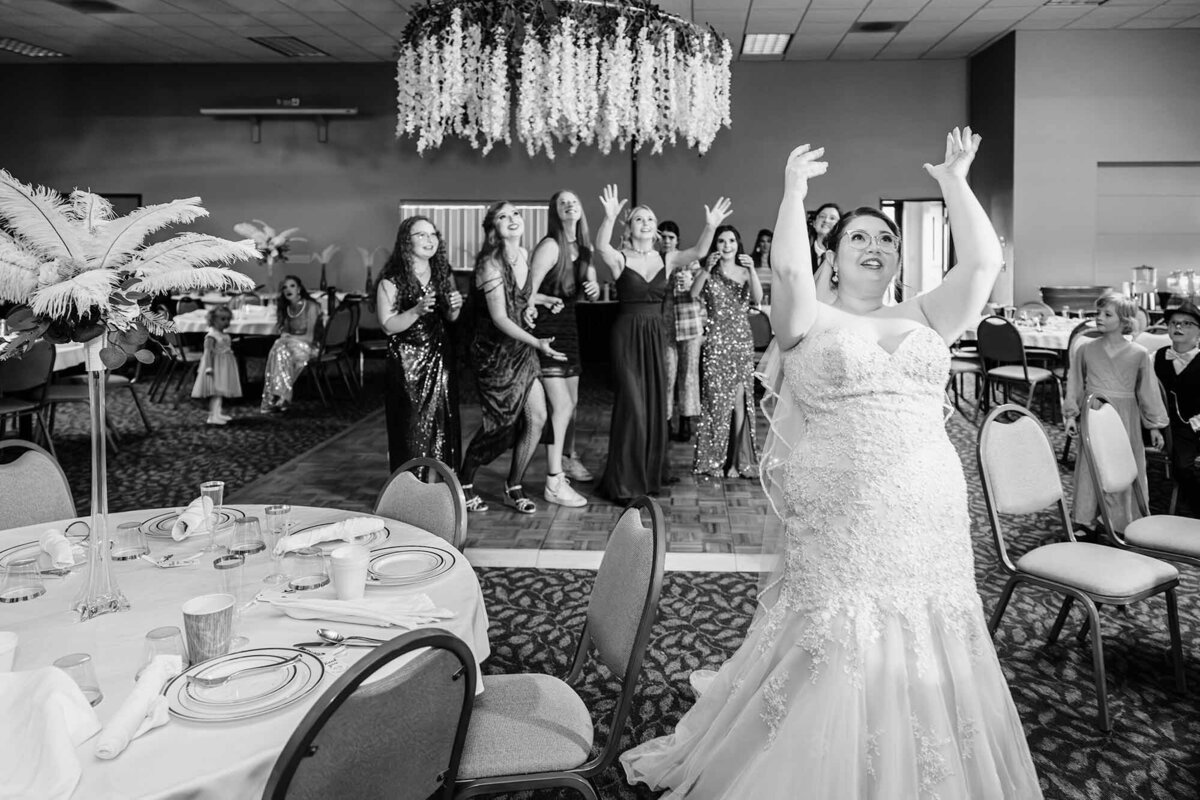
(834, 238)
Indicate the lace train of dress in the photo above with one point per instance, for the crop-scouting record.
(868, 671)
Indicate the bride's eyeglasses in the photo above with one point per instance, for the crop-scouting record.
(887, 241)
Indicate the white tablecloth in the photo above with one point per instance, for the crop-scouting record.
(68, 355)
(1053, 336)
(190, 760)
(247, 321)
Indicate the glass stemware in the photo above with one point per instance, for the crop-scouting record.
(215, 492)
(278, 527)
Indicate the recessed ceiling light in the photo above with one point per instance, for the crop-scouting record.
(289, 46)
(765, 44)
(27, 49)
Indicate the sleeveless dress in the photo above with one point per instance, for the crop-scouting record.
(563, 327)
(224, 380)
(868, 672)
(726, 364)
(637, 440)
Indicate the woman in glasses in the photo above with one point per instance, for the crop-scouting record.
(868, 671)
(416, 301)
(729, 287)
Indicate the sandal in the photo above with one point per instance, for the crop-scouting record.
(474, 501)
(514, 497)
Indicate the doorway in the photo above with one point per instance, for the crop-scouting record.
(926, 248)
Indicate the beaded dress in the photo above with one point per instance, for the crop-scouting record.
(868, 672)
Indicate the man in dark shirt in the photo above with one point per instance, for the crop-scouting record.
(1178, 369)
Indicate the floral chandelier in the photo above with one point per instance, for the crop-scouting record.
(575, 72)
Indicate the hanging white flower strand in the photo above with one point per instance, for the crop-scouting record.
(584, 73)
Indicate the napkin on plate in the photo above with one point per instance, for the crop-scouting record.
(43, 718)
(384, 612)
(347, 529)
(144, 710)
(193, 519)
(58, 547)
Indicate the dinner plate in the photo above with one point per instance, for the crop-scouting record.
(247, 697)
(368, 540)
(160, 527)
(45, 565)
(404, 564)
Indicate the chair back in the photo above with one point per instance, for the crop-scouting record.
(398, 737)
(34, 487)
(622, 609)
(440, 508)
(1017, 469)
(31, 370)
(1106, 446)
(1000, 341)
(338, 328)
(187, 304)
(760, 329)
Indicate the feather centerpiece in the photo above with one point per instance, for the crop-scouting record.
(271, 246)
(75, 271)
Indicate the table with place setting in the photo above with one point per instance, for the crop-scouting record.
(1052, 333)
(223, 737)
(247, 321)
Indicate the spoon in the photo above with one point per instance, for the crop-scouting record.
(330, 635)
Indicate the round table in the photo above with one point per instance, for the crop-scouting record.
(247, 321)
(203, 760)
(1053, 334)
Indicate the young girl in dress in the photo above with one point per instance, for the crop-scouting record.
(218, 376)
(1124, 373)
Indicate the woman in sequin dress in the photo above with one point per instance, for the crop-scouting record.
(504, 357)
(868, 672)
(729, 286)
(637, 441)
(562, 271)
(298, 323)
(417, 301)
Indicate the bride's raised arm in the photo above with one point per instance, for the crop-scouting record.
(955, 304)
(794, 303)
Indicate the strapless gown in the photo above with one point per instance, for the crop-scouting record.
(868, 671)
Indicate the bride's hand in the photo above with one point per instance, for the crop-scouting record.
(803, 164)
(961, 147)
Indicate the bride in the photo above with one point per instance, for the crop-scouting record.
(868, 671)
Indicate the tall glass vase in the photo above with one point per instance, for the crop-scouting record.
(99, 593)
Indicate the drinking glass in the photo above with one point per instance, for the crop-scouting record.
(80, 669)
(164, 641)
(214, 491)
(306, 569)
(22, 581)
(128, 542)
(277, 528)
(247, 537)
(230, 580)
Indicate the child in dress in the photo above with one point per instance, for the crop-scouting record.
(218, 376)
(1123, 372)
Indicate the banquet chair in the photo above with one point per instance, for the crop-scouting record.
(33, 485)
(960, 368)
(532, 731)
(440, 508)
(23, 383)
(760, 329)
(335, 350)
(179, 363)
(1020, 477)
(1002, 354)
(1114, 469)
(1078, 337)
(370, 341)
(77, 392)
(399, 737)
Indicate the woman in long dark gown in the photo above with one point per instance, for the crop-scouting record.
(637, 441)
(504, 357)
(417, 300)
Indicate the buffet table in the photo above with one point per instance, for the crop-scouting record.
(217, 760)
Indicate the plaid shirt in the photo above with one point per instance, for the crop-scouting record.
(688, 311)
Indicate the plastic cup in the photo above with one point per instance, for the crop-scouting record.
(208, 626)
(348, 568)
(81, 670)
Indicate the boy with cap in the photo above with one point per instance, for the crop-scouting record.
(1178, 369)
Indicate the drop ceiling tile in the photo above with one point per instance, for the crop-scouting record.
(1194, 22)
(878, 13)
(776, 5)
(144, 6)
(375, 5)
(1170, 12)
(1040, 24)
(1142, 23)
(1008, 13)
(825, 15)
(928, 32)
(812, 29)
(772, 20)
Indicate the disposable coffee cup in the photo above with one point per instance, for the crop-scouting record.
(348, 570)
(208, 626)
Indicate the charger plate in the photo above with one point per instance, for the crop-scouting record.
(160, 527)
(243, 698)
(405, 564)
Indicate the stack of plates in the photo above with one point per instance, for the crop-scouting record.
(405, 564)
(368, 540)
(160, 527)
(45, 565)
(242, 698)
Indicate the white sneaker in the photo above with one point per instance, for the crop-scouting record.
(558, 490)
(575, 469)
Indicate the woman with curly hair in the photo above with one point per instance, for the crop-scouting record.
(417, 300)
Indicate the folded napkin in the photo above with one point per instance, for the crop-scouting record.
(384, 612)
(58, 547)
(347, 529)
(43, 718)
(193, 519)
(144, 710)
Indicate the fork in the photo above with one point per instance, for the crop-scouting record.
(212, 683)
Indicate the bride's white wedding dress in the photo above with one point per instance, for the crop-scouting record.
(868, 671)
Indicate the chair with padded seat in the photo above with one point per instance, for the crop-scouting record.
(381, 733)
(334, 351)
(533, 731)
(370, 340)
(33, 485)
(1080, 335)
(23, 382)
(1002, 354)
(76, 391)
(1114, 470)
(440, 508)
(1020, 476)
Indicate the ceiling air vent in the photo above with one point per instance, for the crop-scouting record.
(92, 6)
(877, 27)
(1074, 2)
(289, 46)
